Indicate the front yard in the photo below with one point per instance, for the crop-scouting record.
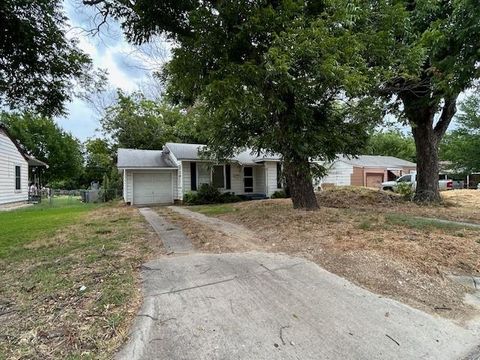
(69, 275)
(373, 238)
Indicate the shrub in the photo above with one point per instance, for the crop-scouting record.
(208, 194)
(406, 190)
(279, 195)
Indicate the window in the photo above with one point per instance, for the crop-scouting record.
(218, 178)
(193, 176)
(248, 179)
(18, 178)
(405, 178)
(279, 175)
(228, 177)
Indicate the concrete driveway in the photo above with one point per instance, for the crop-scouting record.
(270, 306)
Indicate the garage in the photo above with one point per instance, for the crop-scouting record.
(152, 188)
(374, 180)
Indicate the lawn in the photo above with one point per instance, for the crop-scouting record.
(373, 238)
(69, 273)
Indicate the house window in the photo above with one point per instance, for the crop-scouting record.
(218, 176)
(18, 178)
(248, 179)
(193, 176)
(228, 177)
(279, 175)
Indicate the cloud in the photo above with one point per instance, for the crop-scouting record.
(128, 69)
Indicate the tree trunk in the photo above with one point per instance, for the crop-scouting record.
(420, 112)
(299, 182)
(426, 144)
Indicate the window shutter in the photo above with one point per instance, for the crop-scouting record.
(193, 176)
(228, 177)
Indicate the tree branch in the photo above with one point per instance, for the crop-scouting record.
(449, 109)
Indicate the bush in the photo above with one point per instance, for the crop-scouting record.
(279, 195)
(208, 194)
(406, 190)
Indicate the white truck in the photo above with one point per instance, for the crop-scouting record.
(412, 179)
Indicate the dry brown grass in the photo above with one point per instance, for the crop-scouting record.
(369, 237)
(47, 316)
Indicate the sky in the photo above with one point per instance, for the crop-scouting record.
(128, 68)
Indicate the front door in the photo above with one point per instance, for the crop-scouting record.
(248, 179)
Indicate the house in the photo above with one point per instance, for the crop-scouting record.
(15, 167)
(365, 170)
(165, 176)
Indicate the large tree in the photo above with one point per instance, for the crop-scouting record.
(137, 122)
(283, 77)
(391, 143)
(44, 139)
(434, 59)
(39, 65)
(462, 146)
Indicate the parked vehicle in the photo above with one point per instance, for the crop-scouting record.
(412, 179)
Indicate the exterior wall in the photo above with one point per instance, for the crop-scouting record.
(339, 174)
(357, 177)
(264, 178)
(128, 186)
(9, 158)
(271, 177)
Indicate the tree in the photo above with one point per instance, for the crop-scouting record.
(39, 66)
(137, 122)
(44, 139)
(391, 143)
(433, 59)
(285, 77)
(99, 159)
(462, 146)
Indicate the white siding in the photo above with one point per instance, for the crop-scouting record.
(129, 186)
(236, 173)
(9, 158)
(271, 177)
(187, 180)
(339, 174)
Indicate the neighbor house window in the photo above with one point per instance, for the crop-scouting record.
(279, 175)
(18, 178)
(218, 176)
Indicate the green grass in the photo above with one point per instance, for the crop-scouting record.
(214, 209)
(25, 225)
(424, 224)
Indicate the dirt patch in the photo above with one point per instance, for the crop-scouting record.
(361, 243)
(75, 294)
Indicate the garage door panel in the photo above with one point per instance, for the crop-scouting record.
(374, 180)
(152, 188)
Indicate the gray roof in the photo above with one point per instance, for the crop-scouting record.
(133, 158)
(376, 161)
(192, 152)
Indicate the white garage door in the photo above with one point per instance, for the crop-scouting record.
(152, 188)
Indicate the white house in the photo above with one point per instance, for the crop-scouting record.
(13, 170)
(366, 170)
(164, 176)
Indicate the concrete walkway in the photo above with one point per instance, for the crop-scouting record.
(272, 306)
(173, 238)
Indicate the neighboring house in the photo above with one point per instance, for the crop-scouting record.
(164, 176)
(366, 170)
(14, 169)
(461, 178)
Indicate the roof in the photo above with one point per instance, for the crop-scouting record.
(193, 152)
(376, 161)
(32, 161)
(133, 158)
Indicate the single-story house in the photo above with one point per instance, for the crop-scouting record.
(15, 167)
(165, 176)
(365, 170)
